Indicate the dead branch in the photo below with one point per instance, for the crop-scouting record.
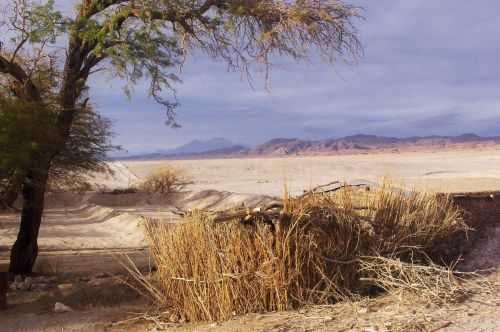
(320, 190)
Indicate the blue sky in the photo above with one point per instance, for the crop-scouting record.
(429, 67)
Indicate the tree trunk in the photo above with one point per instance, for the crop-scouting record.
(25, 249)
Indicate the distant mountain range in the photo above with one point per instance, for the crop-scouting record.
(198, 146)
(216, 145)
(368, 144)
(356, 144)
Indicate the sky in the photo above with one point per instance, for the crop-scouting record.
(429, 67)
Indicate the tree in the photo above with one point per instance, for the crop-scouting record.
(25, 125)
(147, 40)
(84, 152)
(22, 128)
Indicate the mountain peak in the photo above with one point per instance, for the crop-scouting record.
(197, 146)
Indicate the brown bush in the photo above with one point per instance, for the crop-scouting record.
(314, 252)
(164, 180)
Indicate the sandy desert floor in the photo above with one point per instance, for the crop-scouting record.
(81, 236)
(449, 171)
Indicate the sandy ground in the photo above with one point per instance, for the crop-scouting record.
(103, 303)
(83, 235)
(110, 222)
(451, 171)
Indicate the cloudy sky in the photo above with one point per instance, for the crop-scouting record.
(429, 67)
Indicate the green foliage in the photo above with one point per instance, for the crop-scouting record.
(36, 22)
(148, 40)
(84, 151)
(26, 128)
(44, 22)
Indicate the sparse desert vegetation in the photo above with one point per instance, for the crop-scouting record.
(319, 249)
(165, 180)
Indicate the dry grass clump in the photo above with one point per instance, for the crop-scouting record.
(318, 249)
(431, 282)
(399, 223)
(165, 180)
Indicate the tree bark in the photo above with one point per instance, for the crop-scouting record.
(25, 249)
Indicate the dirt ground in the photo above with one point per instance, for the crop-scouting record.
(82, 237)
(101, 302)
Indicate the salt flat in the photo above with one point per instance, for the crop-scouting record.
(443, 171)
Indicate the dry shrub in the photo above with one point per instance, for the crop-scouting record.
(433, 283)
(315, 252)
(164, 180)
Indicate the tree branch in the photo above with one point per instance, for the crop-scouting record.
(18, 48)
(17, 72)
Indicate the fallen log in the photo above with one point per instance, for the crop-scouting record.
(274, 210)
(320, 190)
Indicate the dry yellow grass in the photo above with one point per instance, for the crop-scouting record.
(319, 249)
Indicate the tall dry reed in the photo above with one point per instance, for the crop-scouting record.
(312, 253)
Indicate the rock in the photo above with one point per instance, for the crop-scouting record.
(51, 279)
(45, 279)
(26, 285)
(39, 279)
(84, 279)
(18, 282)
(370, 329)
(65, 289)
(96, 282)
(61, 307)
(21, 283)
(40, 286)
(18, 279)
(65, 286)
(102, 275)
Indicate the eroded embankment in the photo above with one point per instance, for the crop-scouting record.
(85, 232)
(93, 225)
(482, 213)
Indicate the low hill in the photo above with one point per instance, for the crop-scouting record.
(355, 144)
(370, 143)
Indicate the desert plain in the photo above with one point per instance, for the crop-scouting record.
(439, 171)
(83, 236)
